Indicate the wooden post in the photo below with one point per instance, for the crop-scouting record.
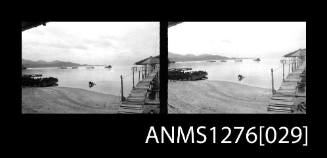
(283, 70)
(139, 75)
(293, 67)
(133, 77)
(272, 81)
(122, 89)
(289, 66)
(145, 71)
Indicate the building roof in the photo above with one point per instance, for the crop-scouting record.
(149, 60)
(31, 24)
(297, 53)
(170, 24)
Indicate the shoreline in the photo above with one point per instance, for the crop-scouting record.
(67, 100)
(243, 84)
(206, 96)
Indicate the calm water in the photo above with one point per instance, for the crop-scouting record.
(256, 74)
(106, 80)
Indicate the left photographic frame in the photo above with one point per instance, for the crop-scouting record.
(90, 67)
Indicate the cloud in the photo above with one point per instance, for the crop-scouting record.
(247, 39)
(92, 43)
(226, 41)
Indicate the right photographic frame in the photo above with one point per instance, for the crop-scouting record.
(237, 67)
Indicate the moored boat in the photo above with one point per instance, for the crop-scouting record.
(36, 80)
(109, 66)
(90, 67)
(186, 74)
(257, 59)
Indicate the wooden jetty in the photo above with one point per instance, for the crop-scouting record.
(137, 102)
(141, 99)
(287, 98)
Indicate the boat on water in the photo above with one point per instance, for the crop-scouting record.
(238, 60)
(36, 80)
(257, 59)
(109, 66)
(212, 61)
(75, 67)
(186, 74)
(223, 61)
(90, 67)
(62, 67)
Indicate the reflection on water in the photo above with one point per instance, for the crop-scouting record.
(106, 80)
(256, 74)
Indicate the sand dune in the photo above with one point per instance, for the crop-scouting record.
(67, 100)
(216, 97)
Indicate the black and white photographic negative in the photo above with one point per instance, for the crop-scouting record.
(90, 67)
(237, 67)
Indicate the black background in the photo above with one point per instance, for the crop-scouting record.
(125, 134)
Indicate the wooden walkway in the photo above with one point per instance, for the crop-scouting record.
(287, 97)
(134, 103)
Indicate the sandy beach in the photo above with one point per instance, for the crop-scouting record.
(67, 100)
(216, 97)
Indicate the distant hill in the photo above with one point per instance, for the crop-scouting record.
(190, 57)
(41, 63)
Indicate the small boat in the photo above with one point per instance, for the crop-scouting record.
(24, 68)
(36, 80)
(240, 77)
(211, 61)
(109, 66)
(223, 61)
(186, 74)
(62, 67)
(258, 59)
(75, 67)
(238, 60)
(90, 67)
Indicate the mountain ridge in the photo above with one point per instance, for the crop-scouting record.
(41, 63)
(192, 57)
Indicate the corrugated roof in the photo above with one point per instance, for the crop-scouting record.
(297, 53)
(149, 60)
(173, 23)
(31, 24)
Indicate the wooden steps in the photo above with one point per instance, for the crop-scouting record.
(132, 106)
(140, 94)
(292, 80)
(281, 104)
(282, 98)
(283, 101)
(136, 99)
(135, 102)
(129, 108)
(279, 110)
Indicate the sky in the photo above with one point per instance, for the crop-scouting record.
(92, 42)
(237, 39)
